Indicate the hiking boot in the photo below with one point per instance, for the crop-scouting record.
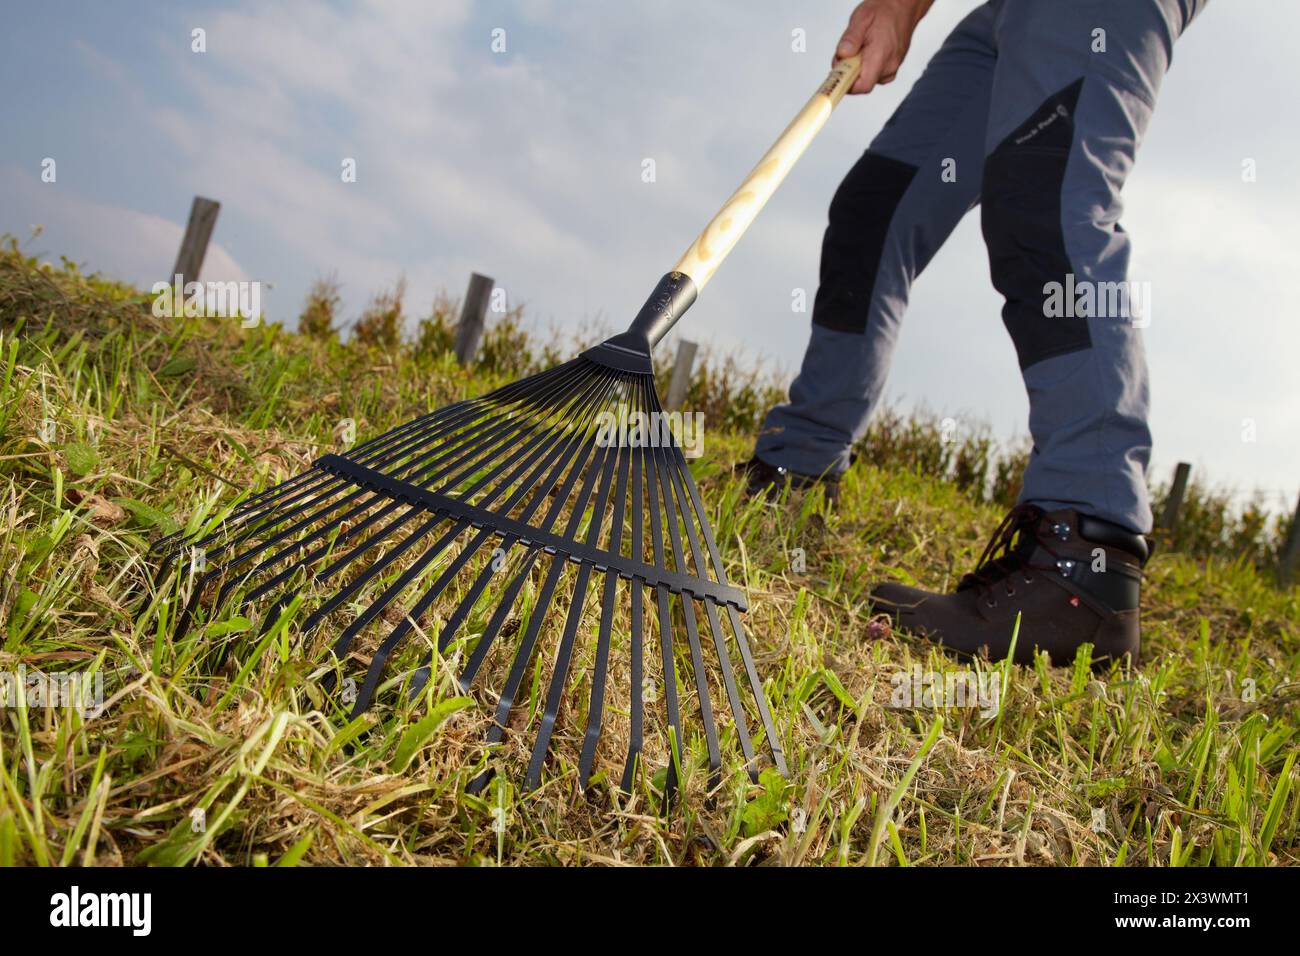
(761, 478)
(1073, 579)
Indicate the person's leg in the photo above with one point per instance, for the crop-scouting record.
(890, 215)
(1073, 91)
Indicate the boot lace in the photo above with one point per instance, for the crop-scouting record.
(1007, 552)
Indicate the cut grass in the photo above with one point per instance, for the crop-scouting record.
(221, 747)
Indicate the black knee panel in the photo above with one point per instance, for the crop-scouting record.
(1021, 219)
(860, 216)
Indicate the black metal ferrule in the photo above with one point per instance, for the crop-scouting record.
(670, 299)
(630, 351)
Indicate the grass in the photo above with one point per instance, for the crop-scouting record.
(220, 748)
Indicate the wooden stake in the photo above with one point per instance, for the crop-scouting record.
(680, 383)
(1173, 507)
(1290, 551)
(203, 219)
(473, 318)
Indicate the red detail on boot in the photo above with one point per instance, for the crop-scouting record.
(1074, 601)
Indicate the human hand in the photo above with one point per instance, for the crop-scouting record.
(881, 30)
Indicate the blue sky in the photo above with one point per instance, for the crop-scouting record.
(526, 165)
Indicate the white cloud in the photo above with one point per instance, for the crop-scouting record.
(117, 241)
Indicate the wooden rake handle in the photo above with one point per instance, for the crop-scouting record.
(706, 253)
(677, 290)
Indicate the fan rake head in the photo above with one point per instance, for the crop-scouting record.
(525, 535)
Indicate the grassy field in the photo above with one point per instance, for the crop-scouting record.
(219, 748)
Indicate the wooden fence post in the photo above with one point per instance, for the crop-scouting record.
(1290, 551)
(1173, 507)
(473, 317)
(680, 383)
(189, 258)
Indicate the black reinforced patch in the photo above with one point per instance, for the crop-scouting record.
(1021, 221)
(860, 217)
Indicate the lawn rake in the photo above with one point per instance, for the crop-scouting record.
(479, 519)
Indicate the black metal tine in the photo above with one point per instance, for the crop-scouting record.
(318, 515)
(488, 428)
(224, 569)
(212, 573)
(469, 410)
(498, 618)
(191, 607)
(504, 424)
(485, 575)
(489, 432)
(564, 654)
(275, 495)
(702, 691)
(400, 630)
(457, 617)
(169, 546)
(517, 442)
(380, 456)
(579, 396)
(574, 444)
(674, 467)
(470, 407)
(541, 439)
(729, 682)
(742, 645)
(397, 442)
(314, 479)
(692, 630)
(521, 390)
(760, 698)
(636, 709)
(571, 375)
(596, 706)
(298, 546)
(524, 653)
(273, 515)
(229, 533)
(543, 742)
(259, 501)
(671, 705)
(306, 560)
(377, 606)
(395, 589)
(679, 474)
(462, 609)
(375, 569)
(314, 482)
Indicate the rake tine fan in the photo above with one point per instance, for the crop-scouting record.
(549, 532)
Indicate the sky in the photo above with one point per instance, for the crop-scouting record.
(526, 164)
